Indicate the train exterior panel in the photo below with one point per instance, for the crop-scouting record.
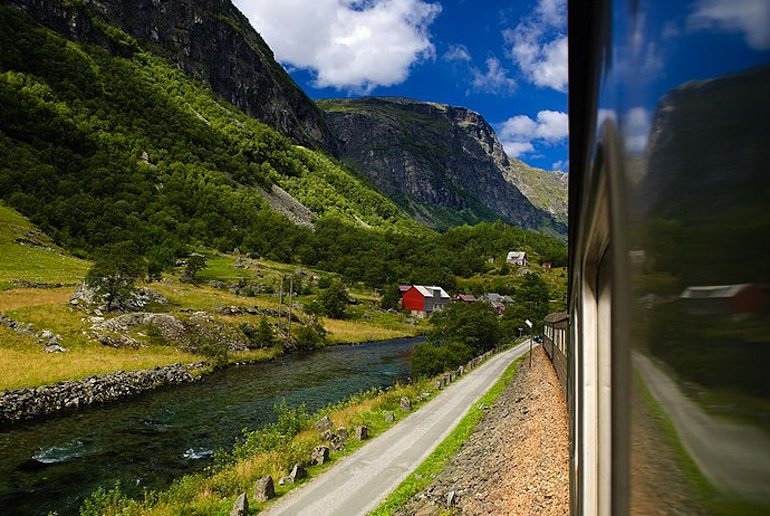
(669, 325)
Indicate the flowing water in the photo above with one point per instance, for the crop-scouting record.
(148, 440)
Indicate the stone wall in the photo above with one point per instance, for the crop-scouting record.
(28, 403)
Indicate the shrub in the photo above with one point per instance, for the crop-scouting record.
(473, 324)
(429, 359)
(335, 300)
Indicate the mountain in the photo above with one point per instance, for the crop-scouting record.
(108, 142)
(442, 164)
(546, 190)
(210, 40)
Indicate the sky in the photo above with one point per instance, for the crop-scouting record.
(507, 59)
(504, 59)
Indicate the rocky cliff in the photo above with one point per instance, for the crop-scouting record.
(210, 40)
(443, 164)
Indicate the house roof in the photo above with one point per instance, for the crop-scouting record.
(466, 297)
(516, 255)
(556, 317)
(404, 288)
(431, 291)
(497, 304)
(713, 291)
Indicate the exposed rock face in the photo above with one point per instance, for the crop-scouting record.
(211, 41)
(20, 404)
(89, 298)
(443, 164)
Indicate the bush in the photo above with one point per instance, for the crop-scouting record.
(334, 300)
(430, 359)
(474, 324)
(216, 351)
(310, 336)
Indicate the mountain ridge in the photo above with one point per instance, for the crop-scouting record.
(432, 157)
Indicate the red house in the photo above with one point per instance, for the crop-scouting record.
(422, 301)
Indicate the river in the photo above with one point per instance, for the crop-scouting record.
(150, 439)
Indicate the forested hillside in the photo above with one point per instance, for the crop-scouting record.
(99, 147)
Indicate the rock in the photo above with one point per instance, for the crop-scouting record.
(55, 348)
(327, 435)
(285, 480)
(320, 455)
(451, 498)
(390, 417)
(471, 171)
(46, 334)
(460, 371)
(439, 384)
(325, 423)
(342, 432)
(362, 433)
(406, 404)
(54, 340)
(424, 396)
(241, 506)
(298, 472)
(264, 489)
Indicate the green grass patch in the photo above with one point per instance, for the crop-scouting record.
(28, 254)
(437, 461)
(711, 499)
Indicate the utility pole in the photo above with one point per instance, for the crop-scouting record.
(291, 293)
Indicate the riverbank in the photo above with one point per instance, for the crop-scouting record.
(274, 450)
(17, 405)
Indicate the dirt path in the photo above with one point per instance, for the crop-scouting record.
(517, 460)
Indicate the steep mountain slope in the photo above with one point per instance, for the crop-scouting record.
(441, 163)
(210, 40)
(97, 148)
(546, 190)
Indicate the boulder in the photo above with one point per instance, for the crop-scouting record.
(241, 506)
(320, 455)
(451, 498)
(342, 432)
(285, 480)
(325, 423)
(55, 348)
(390, 417)
(298, 472)
(264, 489)
(406, 404)
(362, 433)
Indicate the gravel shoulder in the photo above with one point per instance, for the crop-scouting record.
(517, 459)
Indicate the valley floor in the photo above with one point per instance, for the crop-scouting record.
(517, 459)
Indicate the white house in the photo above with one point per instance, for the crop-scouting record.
(517, 258)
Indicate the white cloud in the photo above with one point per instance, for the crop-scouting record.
(457, 53)
(750, 17)
(636, 129)
(516, 149)
(350, 44)
(560, 165)
(538, 45)
(519, 133)
(494, 80)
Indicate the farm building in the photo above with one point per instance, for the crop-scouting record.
(466, 298)
(517, 258)
(742, 298)
(422, 300)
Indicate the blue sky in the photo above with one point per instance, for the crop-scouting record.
(503, 59)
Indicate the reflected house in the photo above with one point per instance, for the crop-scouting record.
(742, 298)
(422, 300)
(517, 258)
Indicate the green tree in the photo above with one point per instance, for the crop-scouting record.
(334, 300)
(391, 295)
(265, 335)
(531, 302)
(195, 264)
(114, 273)
(473, 324)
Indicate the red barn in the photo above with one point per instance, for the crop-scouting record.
(422, 301)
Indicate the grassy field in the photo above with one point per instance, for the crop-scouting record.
(37, 261)
(25, 364)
